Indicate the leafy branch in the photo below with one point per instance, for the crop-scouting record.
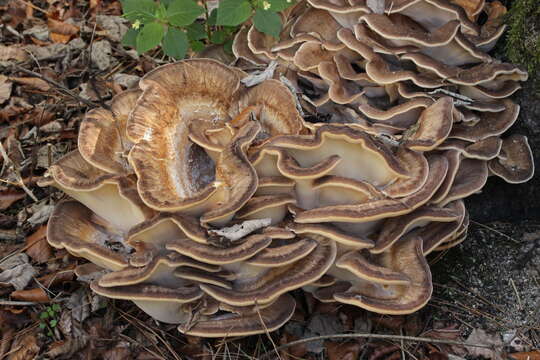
(180, 25)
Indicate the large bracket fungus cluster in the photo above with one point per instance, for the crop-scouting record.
(346, 209)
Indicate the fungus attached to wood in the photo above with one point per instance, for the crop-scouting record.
(207, 199)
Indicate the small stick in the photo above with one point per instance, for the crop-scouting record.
(17, 303)
(61, 88)
(495, 231)
(377, 336)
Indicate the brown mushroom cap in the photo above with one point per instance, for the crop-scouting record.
(394, 228)
(217, 256)
(283, 254)
(77, 229)
(162, 303)
(266, 319)
(111, 197)
(102, 135)
(515, 163)
(269, 285)
(405, 256)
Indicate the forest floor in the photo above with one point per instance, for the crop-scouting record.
(58, 59)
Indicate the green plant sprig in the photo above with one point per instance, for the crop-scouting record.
(178, 25)
(48, 319)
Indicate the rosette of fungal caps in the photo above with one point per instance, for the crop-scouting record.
(207, 202)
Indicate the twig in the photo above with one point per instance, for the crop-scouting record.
(61, 88)
(378, 336)
(517, 293)
(17, 303)
(495, 231)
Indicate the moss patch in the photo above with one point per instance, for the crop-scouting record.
(523, 36)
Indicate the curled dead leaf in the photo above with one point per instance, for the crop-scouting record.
(37, 246)
(61, 32)
(32, 82)
(8, 197)
(34, 295)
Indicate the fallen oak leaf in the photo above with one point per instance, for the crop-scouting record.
(61, 32)
(17, 271)
(37, 246)
(340, 351)
(528, 355)
(33, 295)
(32, 82)
(8, 197)
(24, 347)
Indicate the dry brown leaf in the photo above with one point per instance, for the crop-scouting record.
(56, 278)
(529, 355)
(35, 295)
(8, 197)
(61, 32)
(24, 348)
(347, 351)
(17, 271)
(479, 336)
(117, 353)
(292, 352)
(37, 246)
(5, 88)
(32, 82)
(67, 347)
(12, 53)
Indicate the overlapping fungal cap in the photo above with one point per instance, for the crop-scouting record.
(206, 201)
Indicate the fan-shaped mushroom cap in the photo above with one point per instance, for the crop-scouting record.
(485, 149)
(334, 233)
(266, 206)
(283, 253)
(405, 256)
(159, 271)
(341, 10)
(213, 255)
(268, 285)
(102, 134)
(378, 209)
(470, 178)
(435, 234)
(432, 127)
(432, 13)
(359, 265)
(394, 228)
(267, 318)
(489, 124)
(162, 303)
(77, 229)
(515, 163)
(111, 197)
(173, 96)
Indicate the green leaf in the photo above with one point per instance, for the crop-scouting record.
(228, 46)
(49, 333)
(142, 10)
(56, 307)
(51, 313)
(53, 322)
(212, 18)
(149, 37)
(196, 31)
(218, 37)
(183, 12)
(175, 43)
(130, 38)
(197, 46)
(44, 315)
(233, 12)
(267, 22)
(279, 5)
(42, 325)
